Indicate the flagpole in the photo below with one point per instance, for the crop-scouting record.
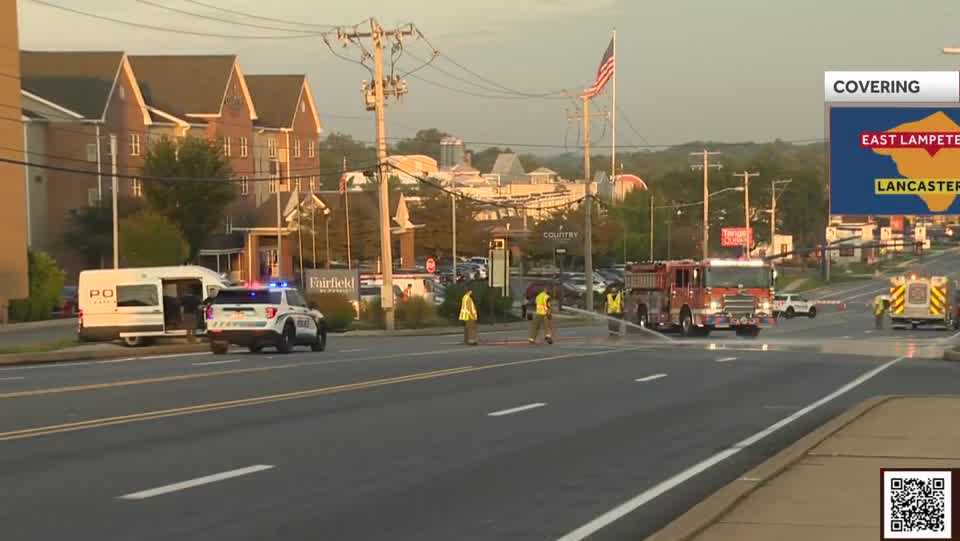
(613, 113)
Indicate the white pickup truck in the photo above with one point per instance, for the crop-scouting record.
(793, 305)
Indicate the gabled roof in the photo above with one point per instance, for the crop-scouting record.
(508, 164)
(276, 98)
(184, 85)
(543, 171)
(81, 81)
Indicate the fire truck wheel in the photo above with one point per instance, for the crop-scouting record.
(642, 317)
(686, 323)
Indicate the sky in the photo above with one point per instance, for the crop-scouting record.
(737, 70)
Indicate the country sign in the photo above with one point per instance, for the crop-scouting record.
(431, 265)
(895, 160)
(736, 236)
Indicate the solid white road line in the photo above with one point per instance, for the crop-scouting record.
(664, 486)
(651, 378)
(209, 363)
(11, 379)
(206, 480)
(353, 350)
(517, 409)
(726, 359)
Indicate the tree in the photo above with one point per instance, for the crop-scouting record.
(425, 142)
(195, 207)
(91, 231)
(46, 282)
(331, 153)
(148, 239)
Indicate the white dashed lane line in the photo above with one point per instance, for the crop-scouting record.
(199, 481)
(726, 359)
(517, 409)
(650, 378)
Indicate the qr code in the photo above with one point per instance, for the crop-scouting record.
(917, 505)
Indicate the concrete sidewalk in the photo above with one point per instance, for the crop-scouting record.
(827, 485)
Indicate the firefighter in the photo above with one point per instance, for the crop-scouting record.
(614, 310)
(468, 315)
(542, 316)
(879, 307)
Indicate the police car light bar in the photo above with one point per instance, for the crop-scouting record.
(278, 284)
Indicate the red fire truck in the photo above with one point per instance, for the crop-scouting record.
(696, 297)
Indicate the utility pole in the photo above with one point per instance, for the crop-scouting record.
(279, 225)
(706, 165)
(746, 208)
(313, 232)
(773, 211)
(651, 227)
(116, 231)
(587, 199)
(453, 222)
(375, 101)
(346, 205)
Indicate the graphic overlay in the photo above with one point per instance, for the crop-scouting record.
(918, 504)
(889, 155)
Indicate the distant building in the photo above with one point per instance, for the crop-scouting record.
(451, 152)
(507, 170)
(543, 175)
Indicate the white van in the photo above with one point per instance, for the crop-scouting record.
(138, 304)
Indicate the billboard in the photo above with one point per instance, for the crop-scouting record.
(895, 160)
(345, 282)
(736, 236)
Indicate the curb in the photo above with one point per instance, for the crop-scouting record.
(78, 354)
(952, 354)
(718, 504)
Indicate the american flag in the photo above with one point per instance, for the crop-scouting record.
(604, 73)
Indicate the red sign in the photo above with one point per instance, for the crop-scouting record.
(896, 223)
(736, 236)
(431, 265)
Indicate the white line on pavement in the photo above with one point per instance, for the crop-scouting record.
(517, 409)
(726, 359)
(666, 485)
(651, 378)
(209, 363)
(206, 480)
(353, 350)
(11, 379)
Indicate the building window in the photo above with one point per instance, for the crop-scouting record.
(122, 92)
(311, 148)
(244, 149)
(136, 187)
(299, 185)
(226, 147)
(244, 186)
(303, 107)
(227, 224)
(274, 186)
(134, 144)
(296, 148)
(272, 147)
(313, 184)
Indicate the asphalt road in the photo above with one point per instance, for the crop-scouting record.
(424, 438)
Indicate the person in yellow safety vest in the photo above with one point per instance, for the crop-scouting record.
(468, 315)
(614, 310)
(878, 310)
(542, 317)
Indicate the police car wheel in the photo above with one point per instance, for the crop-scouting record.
(255, 348)
(790, 313)
(812, 313)
(287, 339)
(321, 342)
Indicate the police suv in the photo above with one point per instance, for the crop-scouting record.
(792, 305)
(275, 315)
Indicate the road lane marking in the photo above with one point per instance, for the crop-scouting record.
(11, 379)
(199, 481)
(651, 378)
(211, 363)
(353, 350)
(726, 359)
(666, 485)
(260, 400)
(517, 409)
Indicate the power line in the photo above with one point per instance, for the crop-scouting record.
(487, 88)
(260, 17)
(220, 20)
(450, 59)
(165, 29)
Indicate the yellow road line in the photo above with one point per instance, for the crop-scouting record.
(295, 395)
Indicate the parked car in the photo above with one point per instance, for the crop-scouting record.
(793, 305)
(67, 304)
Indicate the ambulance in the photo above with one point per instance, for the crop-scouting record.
(917, 300)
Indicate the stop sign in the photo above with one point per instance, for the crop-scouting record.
(431, 265)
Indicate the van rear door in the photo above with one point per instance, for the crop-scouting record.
(140, 308)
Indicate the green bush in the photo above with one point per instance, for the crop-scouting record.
(46, 282)
(372, 311)
(415, 312)
(336, 308)
(483, 296)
